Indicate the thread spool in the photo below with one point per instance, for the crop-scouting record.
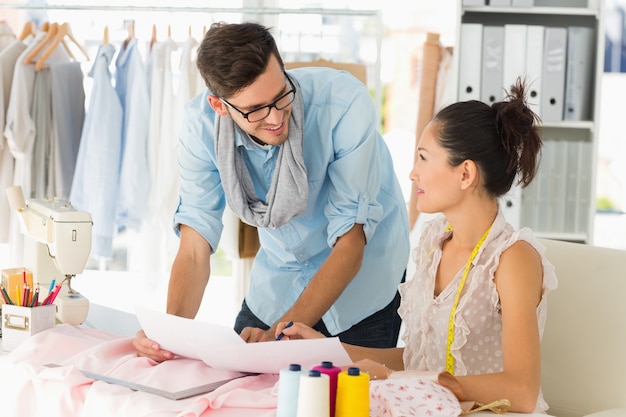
(332, 371)
(313, 395)
(353, 394)
(288, 386)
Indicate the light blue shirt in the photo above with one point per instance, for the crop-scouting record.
(351, 180)
(96, 178)
(131, 85)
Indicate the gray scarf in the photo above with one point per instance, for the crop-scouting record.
(288, 193)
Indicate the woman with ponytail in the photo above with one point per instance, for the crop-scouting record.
(476, 308)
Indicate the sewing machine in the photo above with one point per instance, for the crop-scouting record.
(57, 243)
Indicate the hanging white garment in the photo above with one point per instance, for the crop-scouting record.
(7, 36)
(147, 250)
(8, 58)
(20, 131)
(151, 255)
(168, 175)
(191, 82)
(20, 127)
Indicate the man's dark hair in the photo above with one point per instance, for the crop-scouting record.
(232, 56)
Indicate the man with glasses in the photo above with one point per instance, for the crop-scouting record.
(298, 155)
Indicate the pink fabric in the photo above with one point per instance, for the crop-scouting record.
(30, 389)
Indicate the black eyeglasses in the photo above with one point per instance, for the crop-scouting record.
(261, 113)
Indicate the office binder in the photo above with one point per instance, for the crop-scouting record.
(559, 181)
(545, 186)
(579, 71)
(585, 187)
(553, 80)
(523, 3)
(470, 63)
(493, 56)
(530, 205)
(574, 168)
(514, 64)
(534, 66)
(473, 2)
(497, 3)
(511, 205)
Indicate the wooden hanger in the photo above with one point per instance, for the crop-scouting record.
(51, 30)
(65, 27)
(29, 29)
(105, 36)
(131, 33)
(63, 31)
(153, 40)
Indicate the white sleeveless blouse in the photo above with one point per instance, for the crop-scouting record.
(477, 346)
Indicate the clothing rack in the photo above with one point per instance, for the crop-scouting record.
(281, 19)
(182, 9)
(373, 70)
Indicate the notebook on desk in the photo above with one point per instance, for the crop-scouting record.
(159, 389)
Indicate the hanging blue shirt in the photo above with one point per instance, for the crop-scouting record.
(96, 179)
(131, 85)
(351, 180)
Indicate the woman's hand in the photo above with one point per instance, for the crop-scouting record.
(375, 370)
(448, 380)
(296, 331)
(150, 349)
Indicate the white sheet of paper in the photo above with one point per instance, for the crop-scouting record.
(221, 347)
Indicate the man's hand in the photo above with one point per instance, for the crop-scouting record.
(150, 349)
(254, 334)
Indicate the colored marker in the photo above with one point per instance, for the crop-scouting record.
(54, 294)
(281, 335)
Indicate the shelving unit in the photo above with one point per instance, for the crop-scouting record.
(560, 202)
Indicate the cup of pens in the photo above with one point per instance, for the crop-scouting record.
(26, 313)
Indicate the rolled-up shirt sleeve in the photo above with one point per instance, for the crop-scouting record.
(201, 199)
(355, 175)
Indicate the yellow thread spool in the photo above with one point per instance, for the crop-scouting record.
(353, 394)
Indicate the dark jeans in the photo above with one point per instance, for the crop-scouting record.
(379, 330)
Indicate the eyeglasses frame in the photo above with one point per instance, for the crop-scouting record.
(269, 106)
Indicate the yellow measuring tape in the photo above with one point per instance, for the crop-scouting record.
(468, 265)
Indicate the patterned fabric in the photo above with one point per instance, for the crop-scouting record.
(406, 397)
